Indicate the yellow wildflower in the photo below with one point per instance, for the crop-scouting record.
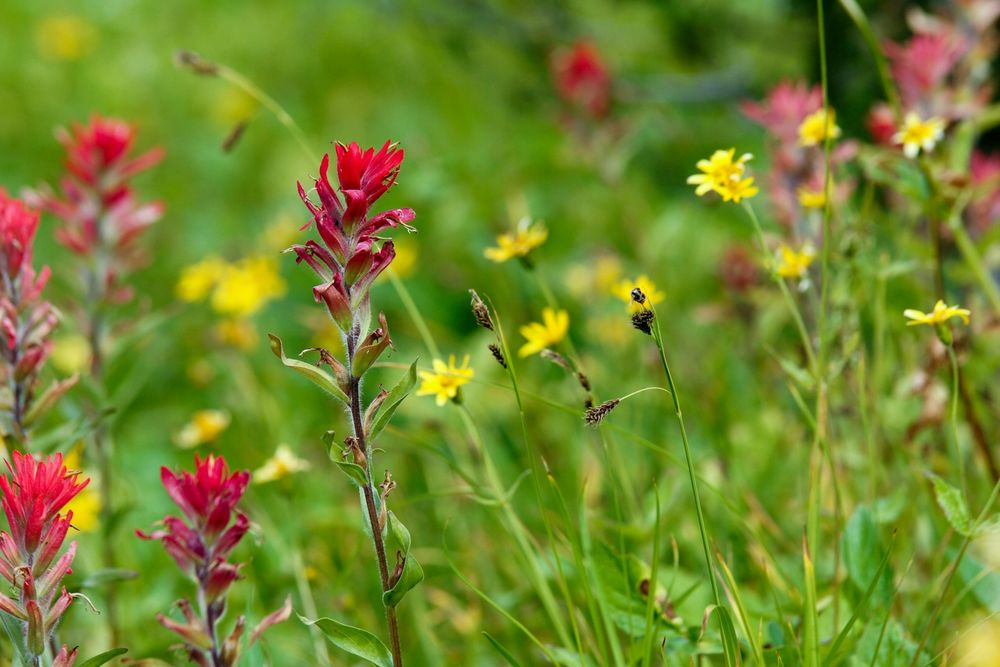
(939, 315)
(809, 198)
(815, 129)
(623, 290)
(281, 233)
(793, 263)
(917, 134)
(283, 463)
(979, 645)
(236, 332)
(205, 426)
(526, 237)
(548, 332)
(71, 353)
(65, 37)
(443, 382)
(198, 280)
(721, 174)
(245, 286)
(86, 505)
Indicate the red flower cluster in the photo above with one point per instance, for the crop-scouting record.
(201, 547)
(97, 206)
(582, 80)
(32, 501)
(25, 320)
(352, 255)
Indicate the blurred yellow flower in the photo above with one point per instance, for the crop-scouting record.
(723, 175)
(526, 237)
(792, 263)
(809, 198)
(623, 290)
(817, 126)
(607, 272)
(245, 286)
(236, 332)
(939, 315)
(548, 332)
(979, 645)
(283, 463)
(280, 234)
(917, 134)
(205, 426)
(65, 37)
(199, 279)
(71, 353)
(443, 382)
(86, 505)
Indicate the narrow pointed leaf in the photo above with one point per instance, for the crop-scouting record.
(392, 401)
(314, 374)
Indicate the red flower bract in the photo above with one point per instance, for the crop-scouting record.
(18, 224)
(582, 79)
(351, 255)
(32, 500)
(99, 151)
(209, 496)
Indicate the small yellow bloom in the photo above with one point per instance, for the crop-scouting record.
(444, 381)
(199, 279)
(246, 286)
(939, 315)
(71, 353)
(205, 426)
(65, 37)
(623, 290)
(282, 464)
(917, 134)
(237, 333)
(548, 332)
(793, 263)
(725, 176)
(86, 505)
(809, 198)
(815, 129)
(979, 645)
(526, 237)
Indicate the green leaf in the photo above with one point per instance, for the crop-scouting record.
(511, 660)
(354, 472)
(412, 573)
(104, 658)
(951, 501)
(314, 374)
(985, 583)
(355, 641)
(392, 401)
(864, 556)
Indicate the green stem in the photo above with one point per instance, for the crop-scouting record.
(702, 527)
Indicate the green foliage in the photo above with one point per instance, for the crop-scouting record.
(355, 641)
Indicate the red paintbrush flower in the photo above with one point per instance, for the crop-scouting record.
(98, 153)
(784, 108)
(32, 500)
(101, 214)
(25, 320)
(201, 547)
(582, 79)
(351, 256)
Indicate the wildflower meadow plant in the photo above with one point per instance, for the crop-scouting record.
(26, 323)
(33, 498)
(348, 257)
(102, 221)
(201, 544)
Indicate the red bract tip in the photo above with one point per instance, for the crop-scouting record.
(582, 79)
(102, 146)
(33, 498)
(18, 224)
(208, 496)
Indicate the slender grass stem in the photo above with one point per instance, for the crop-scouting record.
(702, 527)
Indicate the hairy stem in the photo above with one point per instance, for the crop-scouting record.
(369, 493)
